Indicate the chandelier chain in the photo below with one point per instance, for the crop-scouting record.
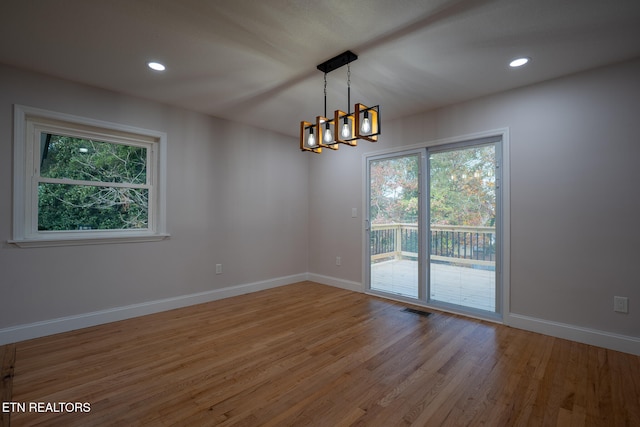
(325, 84)
(348, 88)
(325, 94)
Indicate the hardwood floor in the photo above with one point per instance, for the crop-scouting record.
(308, 354)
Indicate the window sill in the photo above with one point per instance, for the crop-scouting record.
(88, 240)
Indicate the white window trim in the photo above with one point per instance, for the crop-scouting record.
(25, 234)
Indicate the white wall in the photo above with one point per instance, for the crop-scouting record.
(575, 198)
(236, 196)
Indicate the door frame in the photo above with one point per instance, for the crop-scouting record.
(422, 200)
(502, 227)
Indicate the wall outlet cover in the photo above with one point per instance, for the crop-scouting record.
(621, 304)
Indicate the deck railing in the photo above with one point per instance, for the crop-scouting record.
(448, 243)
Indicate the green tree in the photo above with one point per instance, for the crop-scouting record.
(90, 202)
(462, 188)
(394, 190)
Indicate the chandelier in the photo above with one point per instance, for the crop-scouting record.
(344, 127)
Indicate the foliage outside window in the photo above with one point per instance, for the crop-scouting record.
(93, 201)
(462, 185)
(83, 181)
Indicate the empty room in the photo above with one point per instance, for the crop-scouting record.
(329, 213)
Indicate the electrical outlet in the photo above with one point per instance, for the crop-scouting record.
(338, 261)
(621, 304)
(218, 268)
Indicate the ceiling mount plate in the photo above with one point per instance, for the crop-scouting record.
(337, 62)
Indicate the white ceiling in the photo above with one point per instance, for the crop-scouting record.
(255, 61)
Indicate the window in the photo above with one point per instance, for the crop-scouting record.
(84, 181)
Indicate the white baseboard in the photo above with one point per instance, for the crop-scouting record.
(623, 343)
(335, 282)
(64, 324)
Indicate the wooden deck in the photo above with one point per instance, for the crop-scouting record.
(470, 287)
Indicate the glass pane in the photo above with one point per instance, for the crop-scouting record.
(91, 160)
(463, 235)
(86, 207)
(393, 215)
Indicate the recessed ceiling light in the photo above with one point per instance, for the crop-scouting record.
(156, 66)
(519, 62)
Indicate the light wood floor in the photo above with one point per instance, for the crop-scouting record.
(313, 355)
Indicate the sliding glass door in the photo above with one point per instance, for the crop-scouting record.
(462, 226)
(433, 237)
(394, 226)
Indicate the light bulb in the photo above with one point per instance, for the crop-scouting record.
(328, 137)
(346, 132)
(312, 139)
(366, 123)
